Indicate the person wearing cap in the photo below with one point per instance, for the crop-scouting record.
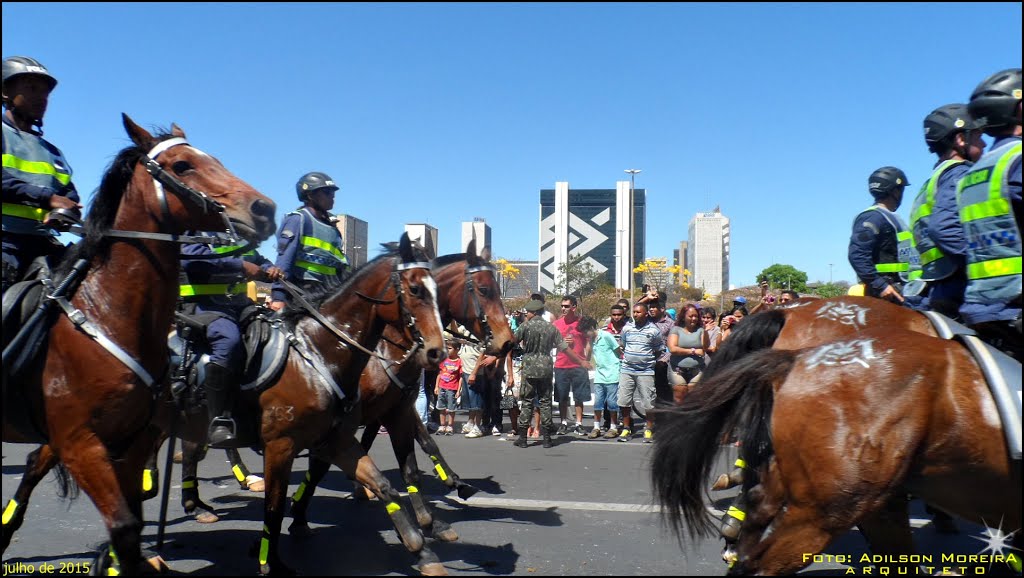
(881, 246)
(537, 337)
(36, 176)
(949, 132)
(310, 249)
(989, 200)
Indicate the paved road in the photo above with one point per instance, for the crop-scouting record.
(582, 507)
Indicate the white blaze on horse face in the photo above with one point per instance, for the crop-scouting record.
(431, 286)
(845, 313)
(843, 353)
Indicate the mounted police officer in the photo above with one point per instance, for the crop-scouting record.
(950, 133)
(989, 200)
(310, 249)
(881, 248)
(217, 287)
(36, 177)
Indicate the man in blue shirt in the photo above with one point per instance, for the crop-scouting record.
(950, 133)
(36, 176)
(881, 244)
(989, 199)
(310, 249)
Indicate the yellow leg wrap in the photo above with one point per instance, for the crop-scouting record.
(9, 511)
(115, 566)
(392, 508)
(299, 492)
(264, 550)
(740, 463)
(440, 472)
(238, 474)
(147, 480)
(413, 490)
(736, 513)
(188, 484)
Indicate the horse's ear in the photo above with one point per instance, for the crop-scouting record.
(405, 249)
(139, 135)
(486, 254)
(176, 131)
(471, 247)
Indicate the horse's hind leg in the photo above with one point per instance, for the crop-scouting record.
(278, 456)
(300, 500)
(400, 425)
(191, 454)
(352, 459)
(888, 533)
(246, 479)
(444, 471)
(37, 465)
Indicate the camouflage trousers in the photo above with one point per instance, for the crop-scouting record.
(531, 390)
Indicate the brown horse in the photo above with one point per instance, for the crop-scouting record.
(468, 293)
(90, 395)
(873, 418)
(315, 404)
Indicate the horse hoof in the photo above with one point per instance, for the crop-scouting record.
(177, 457)
(363, 494)
(722, 483)
(433, 569)
(255, 483)
(278, 569)
(206, 517)
(467, 491)
(446, 535)
(158, 564)
(729, 556)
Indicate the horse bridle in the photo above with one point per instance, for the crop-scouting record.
(478, 309)
(407, 317)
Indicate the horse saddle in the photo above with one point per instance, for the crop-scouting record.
(1002, 372)
(22, 327)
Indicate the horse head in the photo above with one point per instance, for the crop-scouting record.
(414, 312)
(472, 297)
(205, 195)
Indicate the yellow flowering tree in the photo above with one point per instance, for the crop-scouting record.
(506, 272)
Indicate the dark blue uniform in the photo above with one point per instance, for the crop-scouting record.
(946, 231)
(310, 252)
(874, 241)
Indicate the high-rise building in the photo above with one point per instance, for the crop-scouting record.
(708, 251)
(525, 282)
(481, 229)
(679, 259)
(354, 235)
(425, 235)
(594, 224)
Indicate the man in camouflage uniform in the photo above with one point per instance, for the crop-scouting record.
(537, 337)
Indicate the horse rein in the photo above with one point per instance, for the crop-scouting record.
(478, 309)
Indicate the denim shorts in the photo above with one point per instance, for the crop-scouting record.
(471, 400)
(446, 399)
(606, 397)
(575, 379)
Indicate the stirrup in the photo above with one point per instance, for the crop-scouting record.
(223, 439)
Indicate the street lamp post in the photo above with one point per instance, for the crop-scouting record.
(632, 229)
(830, 273)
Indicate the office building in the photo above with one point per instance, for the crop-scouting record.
(708, 251)
(354, 235)
(478, 227)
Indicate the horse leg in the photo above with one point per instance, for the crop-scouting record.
(278, 456)
(888, 533)
(300, 500)
(191, 454)
(151, 472)
(246, 479)
(352, 459)
(400, 427)
(39, 462)
(370, 433)
(444, 471)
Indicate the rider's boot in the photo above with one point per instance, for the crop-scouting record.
(219, 384)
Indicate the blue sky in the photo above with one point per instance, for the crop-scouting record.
(440, 113)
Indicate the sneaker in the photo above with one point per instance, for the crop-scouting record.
(475, 433)
(648, 436)
(440, 431)
(612, 433)
(495, 431)
(624, 436)
(450, 431)
(563, 428)
(578, 430)
(466, 428)
(594, 434)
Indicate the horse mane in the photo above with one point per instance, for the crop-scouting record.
(104, 205)
(293, 313)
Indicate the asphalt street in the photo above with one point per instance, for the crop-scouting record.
(582, 507)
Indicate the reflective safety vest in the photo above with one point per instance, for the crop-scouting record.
(37, 162)
(934, 263)
(221, 287)
(993, 239)
(905, 262)
(320, 255)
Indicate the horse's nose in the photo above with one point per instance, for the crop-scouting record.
(435, 355)
(263, 209)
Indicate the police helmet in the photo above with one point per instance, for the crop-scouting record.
(994, 103)
(942, 124)
(17, 65)
(311, 182)
(885, 181)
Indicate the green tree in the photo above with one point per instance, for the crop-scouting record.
(836, 289)
(577, 276)
(784, 277)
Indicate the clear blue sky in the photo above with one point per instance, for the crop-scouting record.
(440, 113)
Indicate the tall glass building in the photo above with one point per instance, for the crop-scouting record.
(708, 251)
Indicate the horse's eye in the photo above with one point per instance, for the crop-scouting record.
(485, 291)
(181, 167)
(416, 290)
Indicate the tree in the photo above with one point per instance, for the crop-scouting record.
(577, 276)
(836, 289)
(506, 272)
(784, 277)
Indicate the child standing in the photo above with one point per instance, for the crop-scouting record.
(448, 388)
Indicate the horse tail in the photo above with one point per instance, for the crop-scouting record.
(66, 485)
(755, 333)
(689, 435)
